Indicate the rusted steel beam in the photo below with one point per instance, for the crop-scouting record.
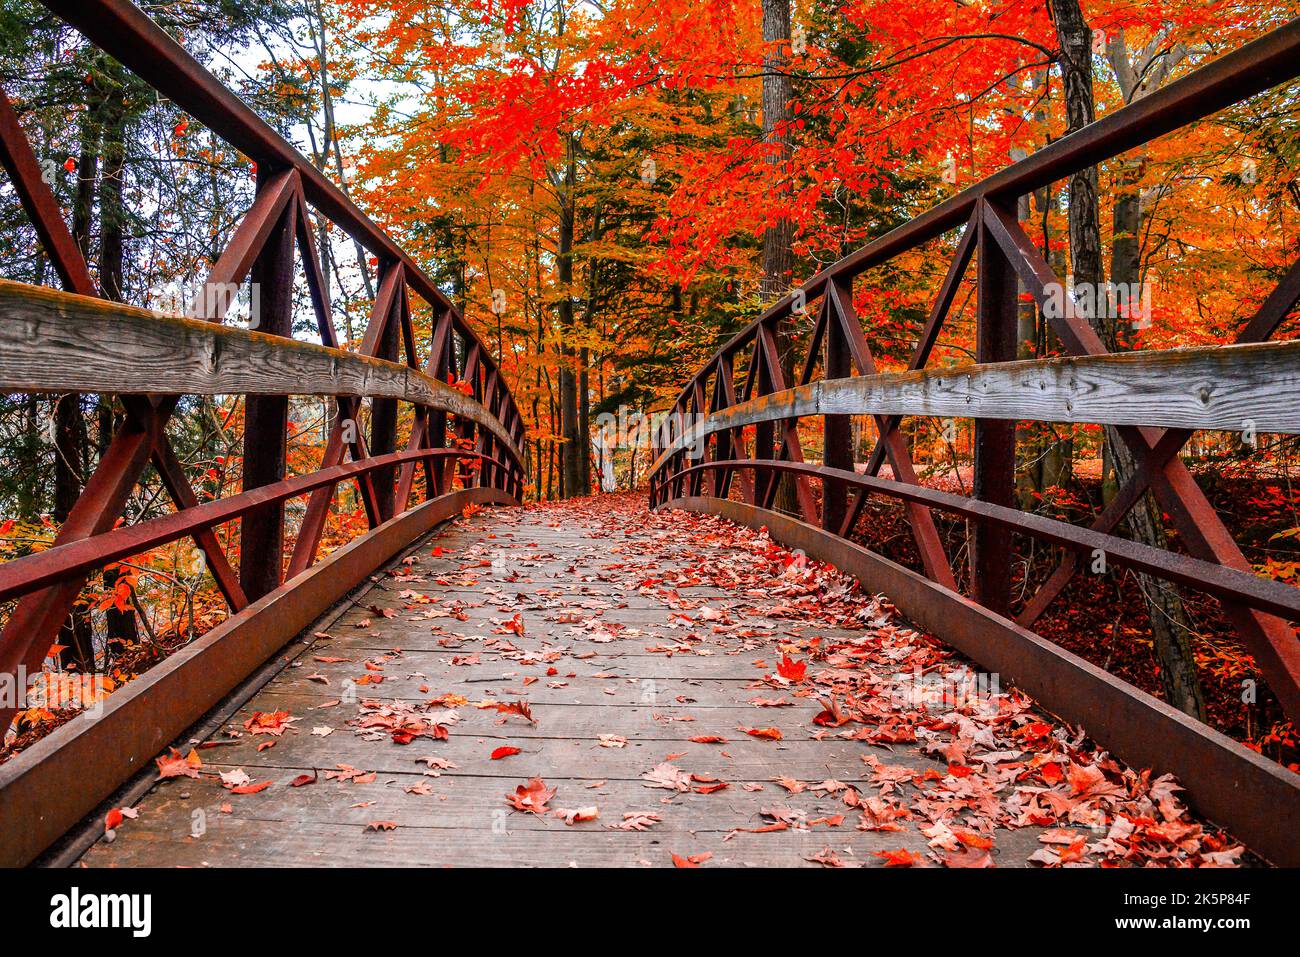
(719, 482)
(928, 544)
(788, 445)
(995, 440)
(178, 487)
(1223, 582)
(934, 322)
(49, 787)
(837, 430)
(266, 418)
(63, 562)
(1254, 798)
(24, 169)
(312, 527)
(382, 341)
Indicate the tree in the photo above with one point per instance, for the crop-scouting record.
(1169, 622)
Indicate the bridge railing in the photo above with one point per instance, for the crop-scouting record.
(464, 446)
(1154, 399)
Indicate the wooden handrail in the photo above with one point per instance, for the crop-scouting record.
(55, 342)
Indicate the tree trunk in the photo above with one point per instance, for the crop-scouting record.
(121, 625)
(69, 419)
(778, 257)
(1058, 460)
(1169, 624)
(778, 91)
(584, 421)
(331, 136)
(571, 457)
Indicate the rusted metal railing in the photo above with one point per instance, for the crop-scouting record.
(1154, 400)
(465, 441)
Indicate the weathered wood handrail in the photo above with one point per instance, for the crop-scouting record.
(55, 342)
(1230, 388)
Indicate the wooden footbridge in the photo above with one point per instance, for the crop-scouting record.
(566, 683)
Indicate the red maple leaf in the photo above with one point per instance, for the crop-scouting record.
(531, 797)
(899, 858)
(250, 788)
(792, 670)
(520, 708)
(273, 722)
(175, 766)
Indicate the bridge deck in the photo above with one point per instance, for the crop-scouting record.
(603, 595)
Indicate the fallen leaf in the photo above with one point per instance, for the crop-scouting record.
(695, 860)
(531, 797)
(579, 815)
(175, 766)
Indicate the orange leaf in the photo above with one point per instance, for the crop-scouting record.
(899, 858)
(792, 670)
(250, 788)
(695, 860)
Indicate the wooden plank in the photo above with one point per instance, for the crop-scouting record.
(55, 342)
(471, 802)
(575, 757)
(235, 842)
(636, 720)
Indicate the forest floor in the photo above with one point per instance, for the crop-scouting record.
(590, 683)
